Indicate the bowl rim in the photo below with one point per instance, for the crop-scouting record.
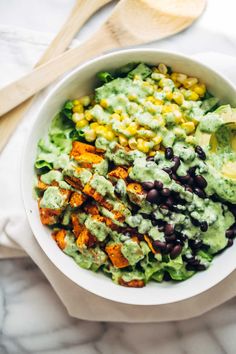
(120, 298)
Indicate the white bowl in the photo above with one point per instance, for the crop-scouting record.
(82, 81)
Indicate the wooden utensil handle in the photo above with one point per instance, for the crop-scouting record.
(16, 93)
(80, 13)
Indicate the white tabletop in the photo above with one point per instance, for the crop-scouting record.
(32, 318)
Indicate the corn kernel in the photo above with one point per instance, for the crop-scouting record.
(104, 103)
(180, 77)
(118, 110)
(178, 98)
(143, 146)
(132, 130)
(190, 139)
(150, 99)
(78, 108)
(189, 127)
(90, 135)
(169, 95)
(200, 89)
(109, 135)
(157, 147)
(162, 69)
(94, 125)
(82, 123)
(169, 108)
(100, 129)
(85, 101)
(152, 153)
(76, 117)
(88, 115)
(132, 97)
(189, 82)
(158, 102)
(193, 96)
(123, 141)
(157, 139)
(75, 102)
(160, 120)
(132, 143)
(178, 116)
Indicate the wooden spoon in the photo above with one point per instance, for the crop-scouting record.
(132, 22)
(80, 13)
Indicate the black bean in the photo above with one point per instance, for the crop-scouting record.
(167, 276)
(200, 181)
(169, 201)
(175, 252)
(150, 158)
(165, 192)
(169, 229)
(158, 185)
(159, 245)
(161, 228)
(193, 261)
(174, 177)
(200, 193)
(176, 160)
(148, 185)
(190, 267)
(167, 170)
(190, 181)
(200, 152)
(169, 247)
(203, 226)
(152, 196)
(184, 179)
(164, 206)
(192, 170)
(169, 153)
(200, 267)
(197, 245)
(195, 222)
(154, 222)
(171, 238)
(230, 242)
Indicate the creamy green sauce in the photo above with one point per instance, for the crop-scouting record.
(52, 198)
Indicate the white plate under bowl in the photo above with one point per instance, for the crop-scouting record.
(82, 81)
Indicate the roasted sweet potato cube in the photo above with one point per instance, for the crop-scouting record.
(41, 186)
(136, 283)
(91, 209)
(88, 190)
(149, 242)
(104, 219)
(77, 227)
(59, 237)
(88, 158)
(77, 199)
(119, 173)
(49, 216)
(73, 181)
(79, 148)
(115, 255)
(134, 188)
(85, 238)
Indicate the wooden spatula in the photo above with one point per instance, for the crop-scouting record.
(81, 12)
(132, 22)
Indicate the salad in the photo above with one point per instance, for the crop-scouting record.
(138, 179)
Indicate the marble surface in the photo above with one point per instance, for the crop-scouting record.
(32, 318)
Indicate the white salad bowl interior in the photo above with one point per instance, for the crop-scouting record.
(80, 82)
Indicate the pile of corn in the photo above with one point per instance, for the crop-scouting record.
(178, 92)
